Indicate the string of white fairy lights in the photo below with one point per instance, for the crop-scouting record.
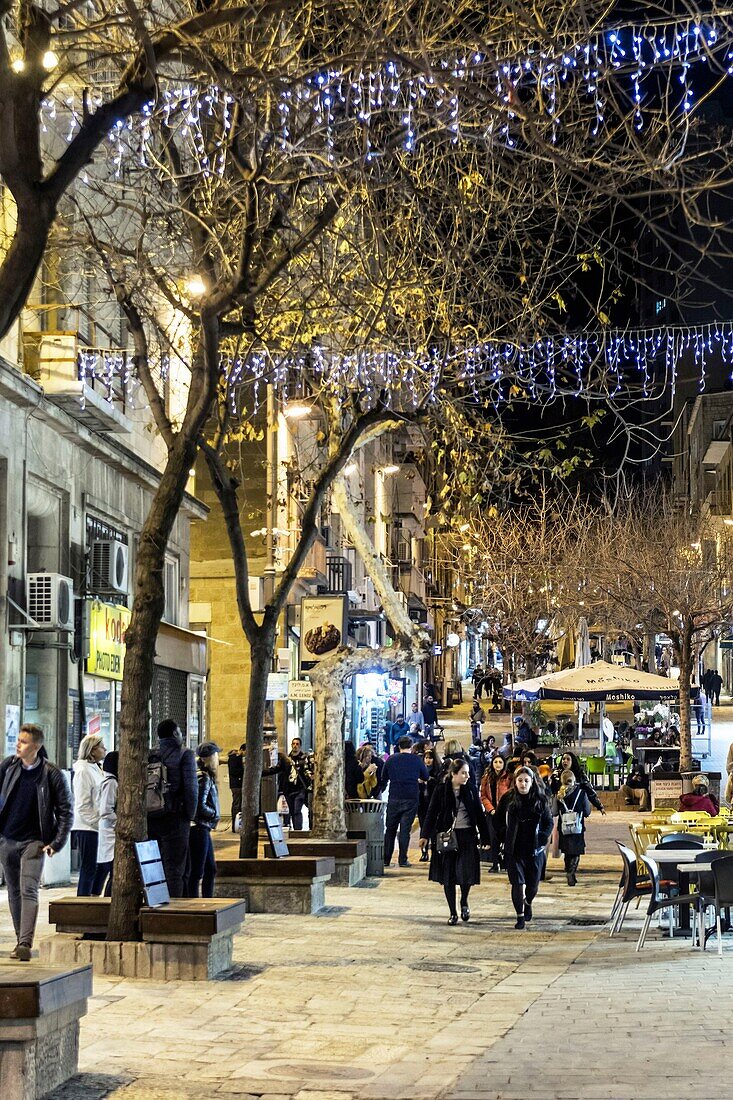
(597, 365)
(344, 102)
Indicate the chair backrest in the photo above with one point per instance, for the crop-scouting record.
(690, 817)
(595, 765)
(653, 871)
(155, 886)
(679, 840)
(723, 879)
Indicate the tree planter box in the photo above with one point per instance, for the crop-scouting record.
(291, 885)
(350, 857)
(188, 940)
(40, 1009)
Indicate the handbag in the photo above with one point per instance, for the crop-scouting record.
(447, 841)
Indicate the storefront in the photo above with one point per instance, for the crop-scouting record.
(375, 698)
(179, 678)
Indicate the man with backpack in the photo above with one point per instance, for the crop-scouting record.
(171, 799)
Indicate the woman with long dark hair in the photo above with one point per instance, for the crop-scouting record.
(455, 808)
(527, 828)
(570, 762)
(495, 783)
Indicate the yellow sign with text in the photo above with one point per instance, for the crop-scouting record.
(107, 627)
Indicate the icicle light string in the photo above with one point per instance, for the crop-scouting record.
(346, 102)
(640, 363)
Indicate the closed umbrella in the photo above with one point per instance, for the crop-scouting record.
(582, 658)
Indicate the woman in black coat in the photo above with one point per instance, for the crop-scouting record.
(527, 827)
(455, 805)
(353, 771)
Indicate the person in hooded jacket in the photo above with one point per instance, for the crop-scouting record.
(171, 827)
(202, 864)
(526, 827)
(107, 820)
(87, 781)
(455, 805)
(495, 783)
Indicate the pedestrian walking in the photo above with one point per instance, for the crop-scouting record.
(235, 767)
(416, 721)
(353, 771)
(430, 716)
(35, 820)
(716, 683)
(570, 761)
(107, 821)
(526, 826)
(202, 864)
(478, 717)
(171, 824)
(434, 766)
(404, 771)
(477, 679)
(495, 783)
(571, 807)
(88, 776)
(455, 810)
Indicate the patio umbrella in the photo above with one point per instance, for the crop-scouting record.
(601, 682)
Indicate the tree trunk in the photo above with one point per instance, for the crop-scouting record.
(684, 657)
(328, 814)
(261, 666)
(147, 611)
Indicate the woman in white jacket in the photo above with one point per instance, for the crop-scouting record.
(87, 780)
(107, 820)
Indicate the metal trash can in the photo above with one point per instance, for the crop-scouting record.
(367, 816)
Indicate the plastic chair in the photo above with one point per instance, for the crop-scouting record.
(722, 895)
(633, 885)
(679, 840)
(657, 901)
(595, 766)
(643, 837)
(690, 817)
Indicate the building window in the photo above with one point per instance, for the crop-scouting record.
(171, 588)
(719, 429)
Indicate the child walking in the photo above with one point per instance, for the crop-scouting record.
(571, 807)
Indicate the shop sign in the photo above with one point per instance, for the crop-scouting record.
(437, 650)
(667, 788)
(277, 686)
(300, 691)
(322, 628)
(107, 628)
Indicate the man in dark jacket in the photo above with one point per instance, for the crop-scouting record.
(295, 780)
(404, 772)
(430, 714)
(172, 826)
(35, 819)
(235, 767)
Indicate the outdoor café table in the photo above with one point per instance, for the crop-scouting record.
(677, 859)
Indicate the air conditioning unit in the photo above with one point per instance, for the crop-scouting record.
(110, 566)
(50, 601)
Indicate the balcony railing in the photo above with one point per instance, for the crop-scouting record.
(340, 574)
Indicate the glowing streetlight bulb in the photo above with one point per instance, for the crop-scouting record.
(49, 60)
(195, 286)
(386, 470)
(18, 65)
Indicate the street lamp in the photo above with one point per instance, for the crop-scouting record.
(296, 411)
(385, 471)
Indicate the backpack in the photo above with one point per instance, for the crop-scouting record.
(571, 821)
(158, 796)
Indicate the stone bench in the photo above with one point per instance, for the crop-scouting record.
(294, 884)
(190, 939)
(40, 1009)
(350, 856)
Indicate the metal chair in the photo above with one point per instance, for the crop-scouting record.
(679, 840)
(658, 901)
(632, 885)
(716, 890)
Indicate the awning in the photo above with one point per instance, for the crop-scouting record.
(182, 649)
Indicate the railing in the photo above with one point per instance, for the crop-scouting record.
(107, 372)
(340, 574)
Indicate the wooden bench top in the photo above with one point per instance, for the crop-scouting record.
(339, 849)
(199, 916)
(28, 991)
(292, 867)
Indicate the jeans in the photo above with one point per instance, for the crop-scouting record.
(400, 814)
(172, 840)
(203, 864)
(91, 877)
(22, 862)
(296, 801)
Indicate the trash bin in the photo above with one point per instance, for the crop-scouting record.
(367, 816)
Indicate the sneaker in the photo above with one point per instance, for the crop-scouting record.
(527, 911)
(23, 953)
(520, 923)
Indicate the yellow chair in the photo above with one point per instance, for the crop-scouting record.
(690, 817)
